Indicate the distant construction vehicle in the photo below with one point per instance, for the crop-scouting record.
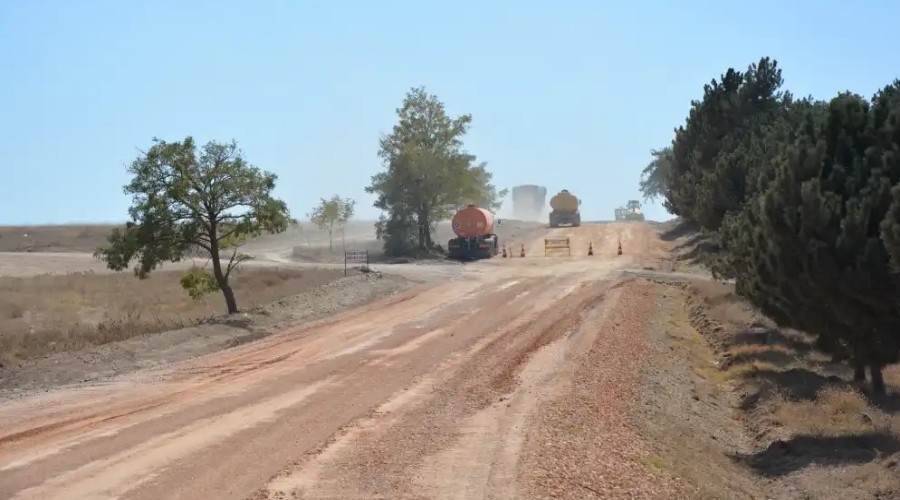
(631, 211)
(475, 236)
(528, 201)
(565, 209)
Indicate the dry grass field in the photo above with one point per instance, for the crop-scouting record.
(85, 238)
(43, 314)
(55, 297)
(74, 238)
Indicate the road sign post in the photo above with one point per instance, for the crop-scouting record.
(355, 257)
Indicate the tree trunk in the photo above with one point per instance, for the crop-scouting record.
(428, 241)
(877, 380)
(221, 280)
(330, 242)
(422, 217)
(859, 372)
(230, 301)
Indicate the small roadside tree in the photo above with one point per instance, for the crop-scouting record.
(655, 176)
(332, 214)
(184, 201)
(708, 176)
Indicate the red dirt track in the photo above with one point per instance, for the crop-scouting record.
(432, 393)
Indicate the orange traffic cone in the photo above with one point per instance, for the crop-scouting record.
(590, 248)
(504, 251)
(620, 248)
(522, 253)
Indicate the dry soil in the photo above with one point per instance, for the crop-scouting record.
(601, 376)
(436, 392)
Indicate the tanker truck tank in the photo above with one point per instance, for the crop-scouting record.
(565, 209)
(475, 236)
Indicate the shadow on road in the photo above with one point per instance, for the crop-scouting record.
(679, 231)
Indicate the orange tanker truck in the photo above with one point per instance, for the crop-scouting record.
(475, 237)
(565, 209)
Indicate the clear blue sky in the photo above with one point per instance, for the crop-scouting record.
(567, 94)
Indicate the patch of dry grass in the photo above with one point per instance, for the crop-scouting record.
(691, 344)
(749, 344)
(51, 313)
(835, 412)
(802, 409)
(63, 238)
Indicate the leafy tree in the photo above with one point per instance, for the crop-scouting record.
(332, 213)
(183, 200)
(803, 198)
(398, 232)
(885, 112)
(654, 177)
(763, 145)
(814, 249)
(427, 173)
(707, 179)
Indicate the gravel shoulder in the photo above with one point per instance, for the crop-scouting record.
(686, 416)
(740, 409)
(95, 364)
(582, 443)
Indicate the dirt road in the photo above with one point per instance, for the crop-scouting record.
(428, 394)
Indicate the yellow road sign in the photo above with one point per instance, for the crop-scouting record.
(557, 246)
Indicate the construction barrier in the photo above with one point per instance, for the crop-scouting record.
(557, 246)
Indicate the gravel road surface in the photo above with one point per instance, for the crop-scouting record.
(444, 391)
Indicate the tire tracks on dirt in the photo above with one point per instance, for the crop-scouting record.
(380, 457)
(426, 394)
